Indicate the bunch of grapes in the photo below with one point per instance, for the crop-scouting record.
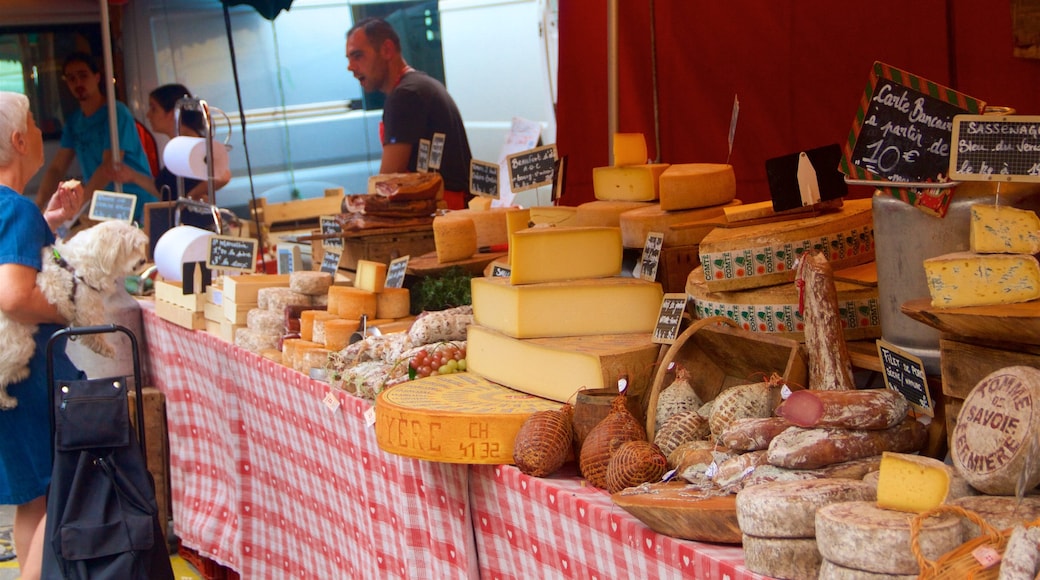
(444, 359)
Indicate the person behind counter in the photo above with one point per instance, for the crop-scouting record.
(416, 107)
(86, 137)
(25, 440)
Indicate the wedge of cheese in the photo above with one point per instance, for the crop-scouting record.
(605, 213)
(629, 149)
(613, 305)
(693, 185)
(516, 219)
(680, 228)
(911, 483)
(1001, 229)
(370, 275)
(490, 224)
(969, 279)
(546, 254)
(557, 368)
(628, 183)
(553, 215)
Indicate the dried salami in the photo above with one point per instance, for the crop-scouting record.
(860, 409)
(798, 448)
(753, 433)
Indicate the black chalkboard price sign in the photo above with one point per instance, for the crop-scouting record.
(904, 372)
(396, 271)
(996, 148)
(330, 262)
(483, 178)
(532, 168)
(229, 253)
(109, 205)
(332, 230)
(670, 317)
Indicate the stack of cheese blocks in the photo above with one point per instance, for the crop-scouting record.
(230, 299)
(565, 319)
(1000, 267)
(746, 272)
(173, 305)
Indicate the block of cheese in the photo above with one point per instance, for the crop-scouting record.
(571, 308)
(787, 509)
(1002, 229)
(693, 185)
(276, 298)
(968, 279)
(456, 418)
(370, 275)
(553, 215)
(629, 149)
(775, 309)
(760, 255)
(557, 368)
(310, 282)
(546, 254)
(307, 319)
(350, 302)
(628, 183)
(516, 219)
(393, 303)
(479, 203)
(490, 225)
(455, 238)
(991, 442)
(781, 557)
(860, 535)
(680, 228)
(605, 213)
(911, 483)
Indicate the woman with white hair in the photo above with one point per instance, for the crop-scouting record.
(25, 440)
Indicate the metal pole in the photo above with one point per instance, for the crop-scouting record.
(110, 88)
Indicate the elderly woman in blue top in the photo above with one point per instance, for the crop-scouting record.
(25, 442)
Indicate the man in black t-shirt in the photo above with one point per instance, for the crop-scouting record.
(417, 106)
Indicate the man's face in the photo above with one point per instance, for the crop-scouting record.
(82, 82)
(367, 64)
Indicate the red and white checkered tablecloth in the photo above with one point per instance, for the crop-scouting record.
(269, 481)
(556, 527)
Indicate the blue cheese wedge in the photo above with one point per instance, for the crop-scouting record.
(970, 279)
(1002, 229)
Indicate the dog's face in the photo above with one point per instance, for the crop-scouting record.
(109, 251)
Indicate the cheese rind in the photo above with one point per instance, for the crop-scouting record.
(489, 223)
(547, 254)
(349, 302)
(605, 213)
(1002, 229)
(393, 303)
(782, 557)
(553, 215)
(680, 228)
(629, 149)
(557, 368)
(693, 185)
(572, 308)
(787, 509)
(968, 279)
(516, 220)
(628, 183)
(455, 238)
(911, 483)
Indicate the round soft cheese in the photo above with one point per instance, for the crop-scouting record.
(795, 558)
(999, 511)
(787, 509)
(832, 571)
(990, 444)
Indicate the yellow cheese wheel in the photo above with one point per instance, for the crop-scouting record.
(350, 302)
(455, 238)
(605, 213)
(338, 331)
(629, 149)
(693, 185)
(680, 228)
(490, 224)
(393, 303)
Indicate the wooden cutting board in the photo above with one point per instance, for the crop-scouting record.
(427, 264)
(1005, 323)
(673, 510)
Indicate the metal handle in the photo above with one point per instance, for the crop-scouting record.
(903, 184)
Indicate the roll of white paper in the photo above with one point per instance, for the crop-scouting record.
(186, 157)
(179, 246)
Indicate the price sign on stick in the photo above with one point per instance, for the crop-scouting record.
(422, 163)
(904, 372)
(229, 253)
(395, 272)
(996, 148)
(651, 256)
(532, 168)
(331, 227)
(483, 178)
(436, 151)
(109, 205)
(330, 262)
(670, 318)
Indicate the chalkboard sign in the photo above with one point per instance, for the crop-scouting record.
(905, 373)
(422, 162)
(483, 178)
(532, 168)
(995, 148)
(670, 318)
(395, 272)
(229, 253)
(109, 205)
(331, 227)
(330, 262)
(498, 270)
(651, 256)
(902, 133)
(436, 150)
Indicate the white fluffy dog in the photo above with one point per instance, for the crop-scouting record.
(77, 275)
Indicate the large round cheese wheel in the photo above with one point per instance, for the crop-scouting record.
(860, 535)
(787, 509)
(1000, 511)
(832, 571)
(680, 228)
(990, 444)
(795, 558)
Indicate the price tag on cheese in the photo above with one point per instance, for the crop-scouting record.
(331, 401)
(651, 256)
(670, 318)
(422, 163)
(395, 272)
(905, 373)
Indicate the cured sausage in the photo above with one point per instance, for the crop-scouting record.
(861, 409)
(798, 448)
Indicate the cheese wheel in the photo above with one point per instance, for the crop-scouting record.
(255, 341)
(350, 302)
(999, 511)
(831, 571)
(605, 213)
(266, 321)
(787, 509)
(307, 323)
(628, 183)
(490, 224)
(968, 279)
(991, 441)
(312, 358)
(455, 238)
(318, 326)
(860, 535)
(760, 255)
(776, 309)
(277, 298)
(693, 185)
(393, 303)
(794, 558)
(629, 149)
(338, 332)
(680, 228)
(310, 282)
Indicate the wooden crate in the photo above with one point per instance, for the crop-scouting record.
(380, 246)
(157, 446)
(675, 265)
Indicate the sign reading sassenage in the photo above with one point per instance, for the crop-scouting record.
(996, 148)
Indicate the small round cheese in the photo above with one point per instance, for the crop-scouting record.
(832, 571)
(782, 557)
(310, 282)
(999, 511)
(787, 509)
(278, 297)
(265, 321)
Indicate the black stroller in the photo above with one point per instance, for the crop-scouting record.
(102, 520)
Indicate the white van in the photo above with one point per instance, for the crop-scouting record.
(308, 125)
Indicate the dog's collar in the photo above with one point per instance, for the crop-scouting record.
(75, 277)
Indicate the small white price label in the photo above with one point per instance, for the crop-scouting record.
(370, 416)
(331, 401)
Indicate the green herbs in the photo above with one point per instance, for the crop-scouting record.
(446, 290)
